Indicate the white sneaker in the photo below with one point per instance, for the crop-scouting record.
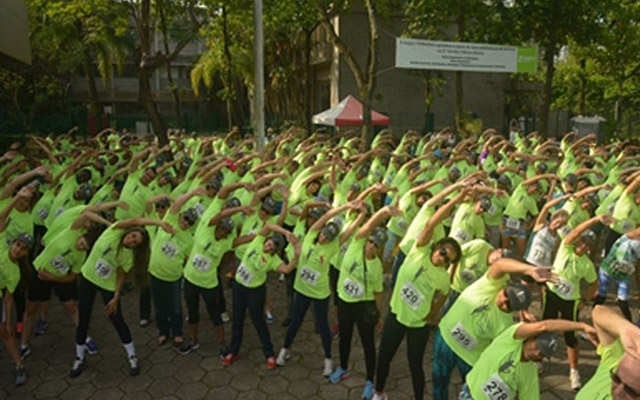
(283, 356)
(377, 396)
(574, 377)
(328, 368)
(281, 278)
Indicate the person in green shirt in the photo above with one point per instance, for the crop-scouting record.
(14, 273)
(360, 289)
(119, 249)
(507, 369)
(169, 252)
(319, 245)
(483, 310)
(562, 297)
(56, 268)
(419, 293)
(249, 288)
(213, 239)
(618, 374)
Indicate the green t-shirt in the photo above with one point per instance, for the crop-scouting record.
(467, 224)
(252, 271)
(473, 264)
(500, 373)
(61, 257)
(169, 251)
(312, 275)
(352, 287)
(475, 320)
(599, 386)
(17, 223)
(9, 271)
(520, 203)
(105, 258)
(399, 224)
(42, 208)
(136, 195)
(621, 260)
(417, 282)
(493, 217)
(417, 225)
(608, 204)
(63, 223)
(202, 265)
(570, 269)
(626, 214)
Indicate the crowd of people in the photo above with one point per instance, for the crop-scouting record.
(464, 233)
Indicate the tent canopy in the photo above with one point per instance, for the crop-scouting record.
(348, 113)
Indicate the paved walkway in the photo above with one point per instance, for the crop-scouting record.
(165, 374)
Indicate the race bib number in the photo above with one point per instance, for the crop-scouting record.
(627, 225)
(309, 276)
(461, 236)
(43, 213)
(103, 269)
(539, 255)
(353, 289)
(513, 223)
(244, 275)
(463, 337)
(410, 295)
(170, 250)
(495, 388)
(201, 263)
(622, 267)
(59, 211)
(60, 265)
(564, 288)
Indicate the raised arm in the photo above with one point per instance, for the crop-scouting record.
(443, 212)
(610, 326)
(180, 201)
(578, 230)
(506, 266)
(376, 219)
(542, 217)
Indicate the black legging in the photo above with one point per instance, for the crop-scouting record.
(86, 295)
(392, 335)
(348, 314)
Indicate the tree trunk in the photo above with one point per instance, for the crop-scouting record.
(582, 106)
(548, 85)
(229, 79)
(149, 106)
(458, 79)
(90, 77)
(617, 112)
(367, 127)
(307, 83)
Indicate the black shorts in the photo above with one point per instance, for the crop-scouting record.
(556, 307)
(40, 290)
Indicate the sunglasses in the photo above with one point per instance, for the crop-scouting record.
(443, 253)
(506, 296)
(627, 390)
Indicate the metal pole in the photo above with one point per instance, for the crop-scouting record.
(259, 73)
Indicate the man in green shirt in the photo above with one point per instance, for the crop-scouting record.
(618, 375)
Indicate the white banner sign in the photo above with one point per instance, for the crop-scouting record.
(459, 56)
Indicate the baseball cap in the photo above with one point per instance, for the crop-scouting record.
(269, 205)
(215, 184)
(317, 212)
(504, 180)
(26, 239)
(541, 167)
(232, 203)
(227, 223)
(278, 241)
(190, 215)
(356, 187)
(519, 297)
(588, 236)
(571, 179)
(508, 253)
(85, 191)
(547, 343)
(485, 203)
(331, 230)
(455, 171)
(378, 236)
